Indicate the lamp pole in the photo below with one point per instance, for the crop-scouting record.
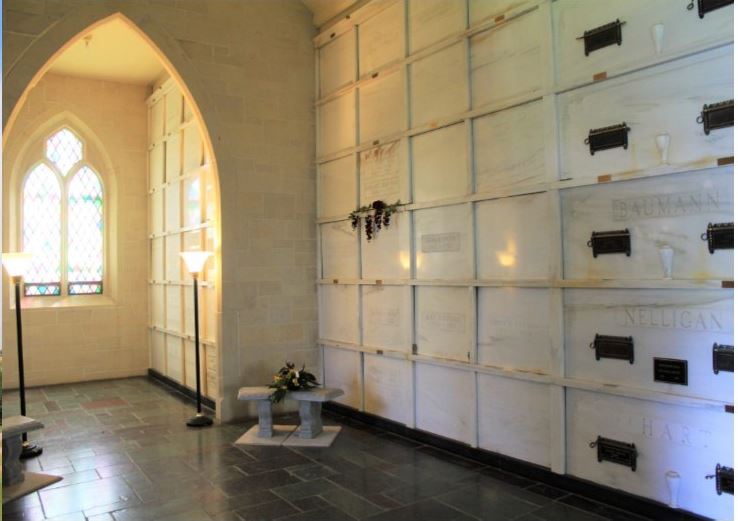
(195, 262)
(200, 420)
(15, 264)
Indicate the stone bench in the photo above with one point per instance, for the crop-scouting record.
(13, 429)
(310, 404)
(17, 483)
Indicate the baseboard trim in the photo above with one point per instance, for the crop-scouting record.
(187, 393)
(609, 496)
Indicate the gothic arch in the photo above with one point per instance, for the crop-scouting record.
(24, 73)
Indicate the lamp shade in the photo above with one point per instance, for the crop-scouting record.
(16, 263)
(195, 260)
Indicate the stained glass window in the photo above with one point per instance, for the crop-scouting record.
(85, 233)
(63, 226)
(42, 231)
(64, 150)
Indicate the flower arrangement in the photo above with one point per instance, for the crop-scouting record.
(290, 379)
(375, 216)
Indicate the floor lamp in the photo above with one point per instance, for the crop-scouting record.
(195, 261)
(16, 265)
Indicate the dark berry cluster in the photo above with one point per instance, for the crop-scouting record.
(375, 216)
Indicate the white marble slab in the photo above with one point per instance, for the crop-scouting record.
(514, 328)
(337, 187)
(337, 124)
(686, 440)
(339, 317)
(387, 255)
(443, 243)
(337, 61)
(443, 322)
(514, 239)
(433, 20)
(439, 161)
(509, 148)
(444, 401)
(383, 173)
(514, 418)
(342, 369)
(676, 324)
(666, 99)
(382, 38)
(506, 61)
(339, 245)
(671, 211)
(388, 388)
(387, 317)
(382, 107)
(683, 32)
(439, 85)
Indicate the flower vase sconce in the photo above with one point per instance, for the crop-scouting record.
(666, 254)
(662, 143)
(375, 216)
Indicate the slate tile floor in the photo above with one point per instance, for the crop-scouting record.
(126, 455)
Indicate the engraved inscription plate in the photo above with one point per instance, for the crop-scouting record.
(676, 317)
(616, 347)
(616, 452)
(655, 206)
(380, 170)
(440, 242)
(445, 322)
(670, 370)
(722, 358)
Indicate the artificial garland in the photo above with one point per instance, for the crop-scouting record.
(375, 216)
(290, 379)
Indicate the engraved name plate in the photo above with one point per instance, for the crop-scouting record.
(719, 236)
(615, 451)
(440, 242)
(602, 36)
(616, 347)
(722, 358)
(616, 241)
(670, 370)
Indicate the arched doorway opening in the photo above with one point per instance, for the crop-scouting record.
(163, 202)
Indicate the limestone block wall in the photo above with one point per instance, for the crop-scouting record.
(84, 337)
(248, 67)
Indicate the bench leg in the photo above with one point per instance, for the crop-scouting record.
(311, 424)
(12, 468)
(264, 407)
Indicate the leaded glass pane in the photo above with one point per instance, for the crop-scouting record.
(42, 231)
(64, 149)
(85, 233)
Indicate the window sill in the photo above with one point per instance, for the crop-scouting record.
(79, 301)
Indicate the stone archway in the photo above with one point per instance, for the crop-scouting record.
(25, 72)
(249, 69)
